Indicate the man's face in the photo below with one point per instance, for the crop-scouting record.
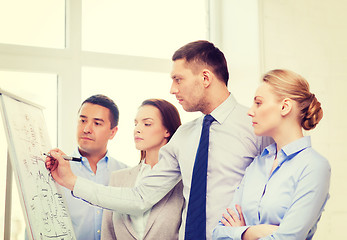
(187, 86)
(94, 129)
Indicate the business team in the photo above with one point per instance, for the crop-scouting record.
(210, 156)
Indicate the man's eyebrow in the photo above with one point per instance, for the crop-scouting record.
(95, 119)
(99, 119)
(175, 76)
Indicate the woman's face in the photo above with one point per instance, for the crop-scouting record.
(149, 132)
(265, 111)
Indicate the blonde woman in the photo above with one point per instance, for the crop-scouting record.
(284, 190)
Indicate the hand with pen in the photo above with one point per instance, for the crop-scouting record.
(60, 168)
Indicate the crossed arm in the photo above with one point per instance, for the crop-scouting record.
(232, 219)
(301, 216)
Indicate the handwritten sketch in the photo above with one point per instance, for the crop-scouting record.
(42, 199)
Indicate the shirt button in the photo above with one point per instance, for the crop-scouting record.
(98, 212)
(98, 231)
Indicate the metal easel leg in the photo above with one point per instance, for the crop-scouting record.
(8, 199)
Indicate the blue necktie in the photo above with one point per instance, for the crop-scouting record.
(196, 215)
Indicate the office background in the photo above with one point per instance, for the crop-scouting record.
(57, 53)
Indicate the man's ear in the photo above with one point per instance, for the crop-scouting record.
(207, 77)
(113, 132)
(287, 106)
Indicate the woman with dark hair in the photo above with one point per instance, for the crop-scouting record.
(155, 123)
(285, 189)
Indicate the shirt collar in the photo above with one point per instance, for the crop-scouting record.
(144, 167)
(289, 150)
(297, 146)
(224, 109)
(269, 150)
(77, 153)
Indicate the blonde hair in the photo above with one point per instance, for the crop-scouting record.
(288, 84)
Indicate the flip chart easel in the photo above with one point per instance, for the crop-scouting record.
(41, 198)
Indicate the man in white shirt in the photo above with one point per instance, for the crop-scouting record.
(199, 82)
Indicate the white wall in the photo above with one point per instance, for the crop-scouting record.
(308, 37)
(239, 41)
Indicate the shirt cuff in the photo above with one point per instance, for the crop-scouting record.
(239, 231)
(226, 232)
(83, 189)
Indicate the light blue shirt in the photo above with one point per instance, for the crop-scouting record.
(86, 219)
(292, 197)
(232, 148)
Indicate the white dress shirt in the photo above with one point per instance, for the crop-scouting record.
(232, 147)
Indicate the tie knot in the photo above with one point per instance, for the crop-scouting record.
(208, 119)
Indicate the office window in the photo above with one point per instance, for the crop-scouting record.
(115, 35)
(38, 23)
(152, 28)
(128, 89)
(41, 89)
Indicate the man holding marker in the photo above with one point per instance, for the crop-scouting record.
(210, 154)
(97, 124)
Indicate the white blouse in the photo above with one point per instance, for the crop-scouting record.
(139, 222)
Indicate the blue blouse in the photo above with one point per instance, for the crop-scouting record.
(292, 197)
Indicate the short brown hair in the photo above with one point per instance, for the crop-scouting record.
(204, 53)
(106, 102)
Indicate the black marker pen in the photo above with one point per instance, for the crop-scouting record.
(67, 158)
